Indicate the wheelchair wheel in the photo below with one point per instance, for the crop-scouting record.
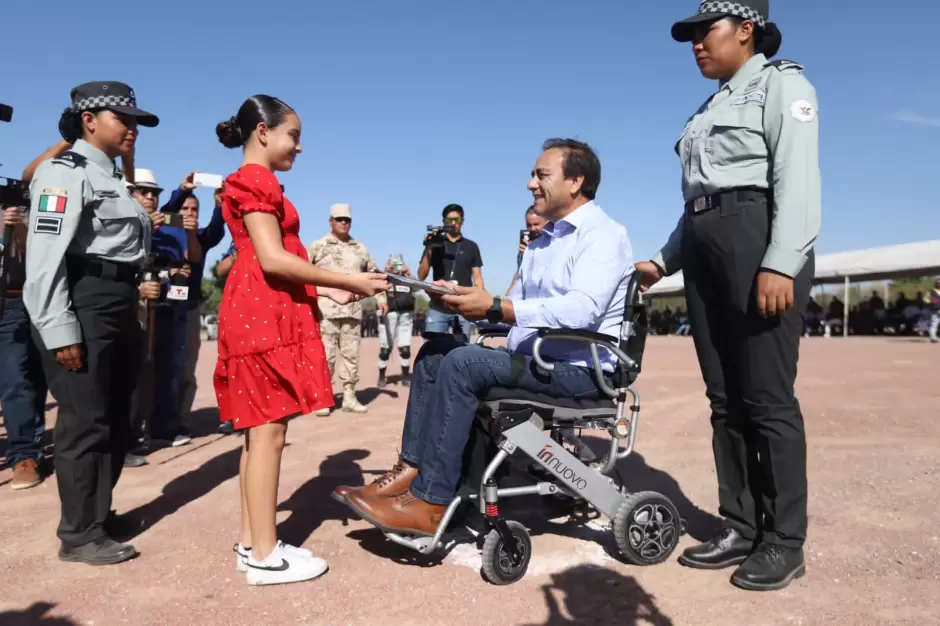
(498, 567)
(647, 528)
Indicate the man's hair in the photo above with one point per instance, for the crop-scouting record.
(452, 208)
(580, 160)
(530, 210)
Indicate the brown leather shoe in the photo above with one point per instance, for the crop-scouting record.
(404, 513)
(395, 481)
(26, 474)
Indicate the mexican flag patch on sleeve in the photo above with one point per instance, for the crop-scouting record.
(52, 203)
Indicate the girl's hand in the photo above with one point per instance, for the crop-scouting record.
(366, 284)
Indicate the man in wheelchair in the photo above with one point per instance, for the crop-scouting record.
(574, 277)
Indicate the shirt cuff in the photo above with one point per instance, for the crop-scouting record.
(668, 268)
(526, 313)
(783, 261)
(57, 337)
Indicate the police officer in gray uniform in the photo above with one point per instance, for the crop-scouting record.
(751, 184)
(88, 239)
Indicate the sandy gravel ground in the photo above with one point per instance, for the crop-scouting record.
(872, 409)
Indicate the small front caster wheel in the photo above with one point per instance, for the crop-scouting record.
(647, 528)
(498, 566)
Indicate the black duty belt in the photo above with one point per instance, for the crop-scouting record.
(726, 198)
(105, 270)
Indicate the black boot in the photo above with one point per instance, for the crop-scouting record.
(382, 380)
(405, 376)
(769, 568)
(725, 549)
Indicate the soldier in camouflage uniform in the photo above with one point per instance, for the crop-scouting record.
(340, 325)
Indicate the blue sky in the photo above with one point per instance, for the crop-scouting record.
(410, 105)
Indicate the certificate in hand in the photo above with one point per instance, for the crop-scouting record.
(419, 285)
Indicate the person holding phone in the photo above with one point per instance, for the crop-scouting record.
(88, 240)
(272, 363)
(534, 223)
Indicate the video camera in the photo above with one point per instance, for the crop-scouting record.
(13, 192)
(437, 234)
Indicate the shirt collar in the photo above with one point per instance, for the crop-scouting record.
(334, 239)
(96, 156)
(754, 64)
(572, 221)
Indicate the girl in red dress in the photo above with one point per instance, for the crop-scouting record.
(272, 365)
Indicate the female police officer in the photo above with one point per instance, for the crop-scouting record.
(87, 241)
(745, 243)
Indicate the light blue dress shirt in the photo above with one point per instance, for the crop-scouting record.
(574, 276)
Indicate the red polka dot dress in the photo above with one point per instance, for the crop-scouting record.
(272, 363)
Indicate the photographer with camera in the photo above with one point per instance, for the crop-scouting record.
(534, 223)
(397, 322)
(22, 382)
(453, 258)
(174, 241)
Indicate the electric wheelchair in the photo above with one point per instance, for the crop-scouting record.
(522, 444)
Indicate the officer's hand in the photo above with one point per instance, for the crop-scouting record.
(14, 216)
(383, 308)
(157, 219)
(150, 290)
(406, 272)
(388, 268)
(651, 272)
(70, 357)
(366, 284)
(774, 293)
(188, 184)
(190, 222)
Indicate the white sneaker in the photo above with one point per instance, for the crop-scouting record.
(283, 566)
(242, 555)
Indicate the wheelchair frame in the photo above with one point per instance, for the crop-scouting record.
(508, 542)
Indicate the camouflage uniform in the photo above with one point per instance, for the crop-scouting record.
(341, 323)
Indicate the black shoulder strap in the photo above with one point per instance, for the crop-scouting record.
(73, 159)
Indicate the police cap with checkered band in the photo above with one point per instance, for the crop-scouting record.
(758, 11)
(113, 96)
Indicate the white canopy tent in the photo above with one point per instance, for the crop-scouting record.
(905, 260)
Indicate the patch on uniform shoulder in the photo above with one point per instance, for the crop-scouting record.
(48, 225)
(803, 111)
(73, 159)
(52, 202)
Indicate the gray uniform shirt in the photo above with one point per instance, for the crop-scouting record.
(759, 130)
(78, 206)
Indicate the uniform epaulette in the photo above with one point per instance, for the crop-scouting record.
(783, 64)
(72, 159)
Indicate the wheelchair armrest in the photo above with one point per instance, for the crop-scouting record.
(593, 340)
(571, 333)
(485, 331)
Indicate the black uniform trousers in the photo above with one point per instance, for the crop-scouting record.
(93, 429)
(749, 364)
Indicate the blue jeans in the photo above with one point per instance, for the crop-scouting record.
(22, 384)
(169, 361)
(448, 379)
(441, 322)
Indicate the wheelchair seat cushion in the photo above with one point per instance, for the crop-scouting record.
(563, 408)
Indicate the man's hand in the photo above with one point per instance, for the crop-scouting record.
(150, 290)
(651, 272)
(774, 293)
(471, 302)
(70, 357)
(157, 219)
(187, 184)
(383, 308)
(523, 246)
(15, 216)
(190, 222)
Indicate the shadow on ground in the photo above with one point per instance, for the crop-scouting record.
(588, 594)
(311, 505)
(36, 615)
(182, 490)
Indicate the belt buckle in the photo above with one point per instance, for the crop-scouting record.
(702, 203)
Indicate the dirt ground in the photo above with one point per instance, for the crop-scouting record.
(873, 555)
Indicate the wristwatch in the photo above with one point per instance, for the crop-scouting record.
(495, 314)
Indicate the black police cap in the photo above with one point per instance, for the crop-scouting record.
(113, 96)
(757, 11)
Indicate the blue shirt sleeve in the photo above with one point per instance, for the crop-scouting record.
(211, 235)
